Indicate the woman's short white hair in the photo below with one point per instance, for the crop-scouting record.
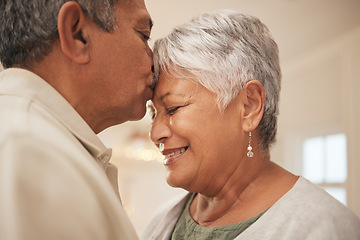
(223, 51)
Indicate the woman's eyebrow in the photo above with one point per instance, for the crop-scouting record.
(169, 94)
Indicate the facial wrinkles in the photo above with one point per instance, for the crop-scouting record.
(194, 107)
(140, 17)
(208, 167)
(145, 23)
(168, 100)
(197, 142)
(172, 97)
(174, 100)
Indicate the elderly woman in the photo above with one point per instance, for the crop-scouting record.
(215, 117)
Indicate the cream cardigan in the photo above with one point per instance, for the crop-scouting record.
(305, 212)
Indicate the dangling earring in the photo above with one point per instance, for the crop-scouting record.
(250, 154)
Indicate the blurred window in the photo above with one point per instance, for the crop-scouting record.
(325, 163)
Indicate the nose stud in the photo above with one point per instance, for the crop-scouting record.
(161, 147)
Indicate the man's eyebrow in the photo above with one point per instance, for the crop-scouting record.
(151, 23)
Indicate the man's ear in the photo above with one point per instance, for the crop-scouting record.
(73, 38)
(253, 98)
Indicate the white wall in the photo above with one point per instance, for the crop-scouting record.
(351, 122)
(320, 96)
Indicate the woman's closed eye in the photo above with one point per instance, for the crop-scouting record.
(172, 110)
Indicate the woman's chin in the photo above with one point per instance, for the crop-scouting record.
(176, 182)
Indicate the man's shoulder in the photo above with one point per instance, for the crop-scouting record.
(25, 123)
(22, 116)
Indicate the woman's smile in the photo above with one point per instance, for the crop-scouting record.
(172, 154)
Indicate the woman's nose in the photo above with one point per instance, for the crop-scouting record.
(160, 131)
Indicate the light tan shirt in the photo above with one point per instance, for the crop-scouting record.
(52, 168)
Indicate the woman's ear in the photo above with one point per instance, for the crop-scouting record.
(253, 98)
(72, 32)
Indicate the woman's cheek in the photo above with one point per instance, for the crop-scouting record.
(177, 124)
(178, 120)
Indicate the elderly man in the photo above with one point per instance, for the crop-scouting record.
(72, 69)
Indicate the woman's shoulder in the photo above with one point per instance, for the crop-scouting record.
(163, 221)
(310, 206)
(306, 211)
(307, 197)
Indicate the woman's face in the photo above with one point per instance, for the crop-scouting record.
(202, 146)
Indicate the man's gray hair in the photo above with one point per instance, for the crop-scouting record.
(223, 51)
(28, 28)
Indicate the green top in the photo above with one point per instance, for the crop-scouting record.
(187, 228)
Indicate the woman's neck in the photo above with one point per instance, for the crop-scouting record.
(249, 191)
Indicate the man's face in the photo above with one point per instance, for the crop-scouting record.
(122, 60)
